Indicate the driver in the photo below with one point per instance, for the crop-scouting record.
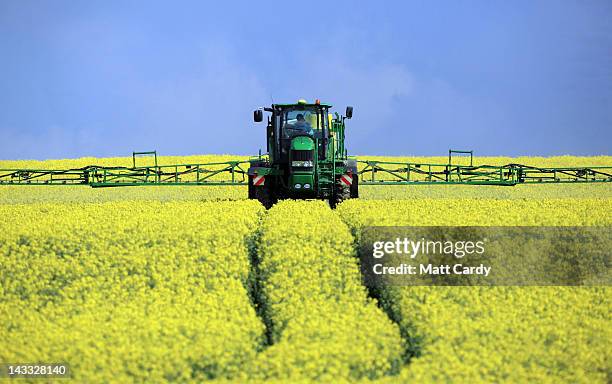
(302, 125)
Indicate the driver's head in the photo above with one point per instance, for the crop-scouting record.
(300, 117)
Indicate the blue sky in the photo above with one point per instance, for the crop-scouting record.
(86, 78)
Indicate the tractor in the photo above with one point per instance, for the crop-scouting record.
(306, 156)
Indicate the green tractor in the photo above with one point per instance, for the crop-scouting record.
(306, 158)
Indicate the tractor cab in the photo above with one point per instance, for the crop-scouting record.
(304, 120)
(296, 127)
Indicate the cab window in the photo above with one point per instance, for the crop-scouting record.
(304, 120)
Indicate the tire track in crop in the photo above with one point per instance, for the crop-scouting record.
(256, 295)
(412, 343)
(320, 323)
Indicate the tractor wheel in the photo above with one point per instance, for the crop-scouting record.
(355, 187)
(265, 195)
(251, 189)
(342, 193)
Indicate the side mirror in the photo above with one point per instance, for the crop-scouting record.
(349, 112)
(258, 115)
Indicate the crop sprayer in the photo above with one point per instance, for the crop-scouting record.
(306, 159)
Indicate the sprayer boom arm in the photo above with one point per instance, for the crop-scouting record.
(370, 173)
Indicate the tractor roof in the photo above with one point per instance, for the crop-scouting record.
(302, 105)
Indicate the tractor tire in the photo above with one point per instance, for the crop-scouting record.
(265, 195)
(252, 195)
(355, 187)
(342, 193)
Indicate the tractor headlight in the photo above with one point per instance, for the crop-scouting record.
(306, 186)
(298, 163)
(298, 186)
